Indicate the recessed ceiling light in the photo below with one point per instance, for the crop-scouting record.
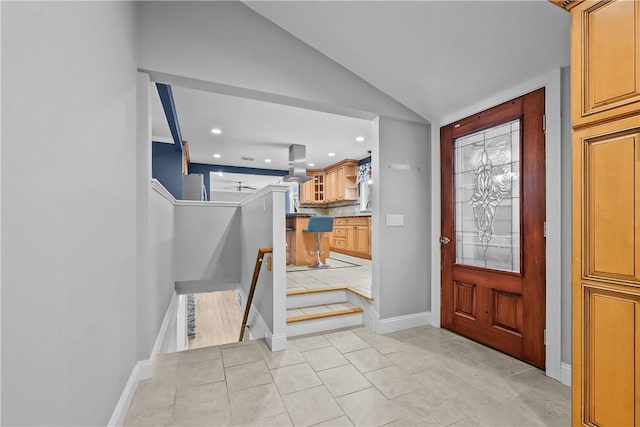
(217, 156)
(216, 131)
(312, 164)
(332, 154)
(219, 173)
(267, 160)
(359, 138)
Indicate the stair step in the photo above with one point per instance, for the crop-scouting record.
(331, 289)
(321, 311)
(319, 318)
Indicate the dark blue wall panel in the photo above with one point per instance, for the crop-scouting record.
(364, 161)
(166, 167)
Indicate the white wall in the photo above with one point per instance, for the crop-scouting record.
(69, 210)
(228, 196)
(154, 298)
(403, 253)
(207, 247)
(263, 225)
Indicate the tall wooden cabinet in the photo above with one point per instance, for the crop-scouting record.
(605, 103)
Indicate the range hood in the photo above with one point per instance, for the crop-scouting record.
(297, 164)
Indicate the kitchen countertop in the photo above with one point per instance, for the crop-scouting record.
(307, 215)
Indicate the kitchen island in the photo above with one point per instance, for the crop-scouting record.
(301, 246)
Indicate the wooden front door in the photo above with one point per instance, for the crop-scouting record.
(493, 213)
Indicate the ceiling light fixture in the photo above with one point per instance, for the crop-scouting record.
(219, 173)
(267, 160)
(217, 156)
(332, 154)
(312, 164)
(216, 131)
(359, 138)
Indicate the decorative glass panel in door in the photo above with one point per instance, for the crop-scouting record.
(487, 198)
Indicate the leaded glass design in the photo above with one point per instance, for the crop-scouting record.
(487, 198)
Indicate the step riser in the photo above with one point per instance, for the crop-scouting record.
(324, 324)
(317, 298)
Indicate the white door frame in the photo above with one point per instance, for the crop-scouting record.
(551, 83)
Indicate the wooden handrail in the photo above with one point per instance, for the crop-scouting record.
(254, 281)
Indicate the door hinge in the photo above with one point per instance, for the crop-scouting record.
(544, 122)
(545, 337)
(545, 229)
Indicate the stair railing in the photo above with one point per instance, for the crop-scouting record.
(254, 281)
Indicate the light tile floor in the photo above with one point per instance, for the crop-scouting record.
(417, 377)
(358, 277)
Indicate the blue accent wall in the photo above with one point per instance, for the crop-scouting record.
(364, 161)
(166, 167)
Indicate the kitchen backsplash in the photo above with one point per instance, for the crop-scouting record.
(341, 210)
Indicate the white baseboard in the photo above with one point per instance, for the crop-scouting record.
(407, 321)
(143, 369)
(162, 340)
(565, 374)
(122, 407)
(371, 318)
(278, 342)
(258, 327)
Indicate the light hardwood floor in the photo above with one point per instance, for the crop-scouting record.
(218, 319)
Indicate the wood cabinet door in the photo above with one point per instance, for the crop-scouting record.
(606, 274)
(362, 239)
(350, 243)
(340, 183)
(331, 185)
(318, 187)
(306, 192)
(605, 63)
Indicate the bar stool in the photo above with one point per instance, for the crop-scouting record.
(319, 224)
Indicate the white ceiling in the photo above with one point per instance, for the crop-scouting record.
(435, 57)
(259, 130)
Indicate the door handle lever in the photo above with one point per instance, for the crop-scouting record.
(444, 240)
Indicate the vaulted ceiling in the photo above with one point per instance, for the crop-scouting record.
(435, 57)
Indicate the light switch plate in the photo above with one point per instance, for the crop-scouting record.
(395, 220)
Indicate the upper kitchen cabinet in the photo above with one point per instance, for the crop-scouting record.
(313, 191)
(605, 40)
(335, 183)
(341, 179)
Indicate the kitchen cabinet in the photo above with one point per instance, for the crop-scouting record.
(605, 101)
(352, 236)
(335, 183)
(605, 60)
(343, 181)
(331, 185)
(313, 191)
(306, 192)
